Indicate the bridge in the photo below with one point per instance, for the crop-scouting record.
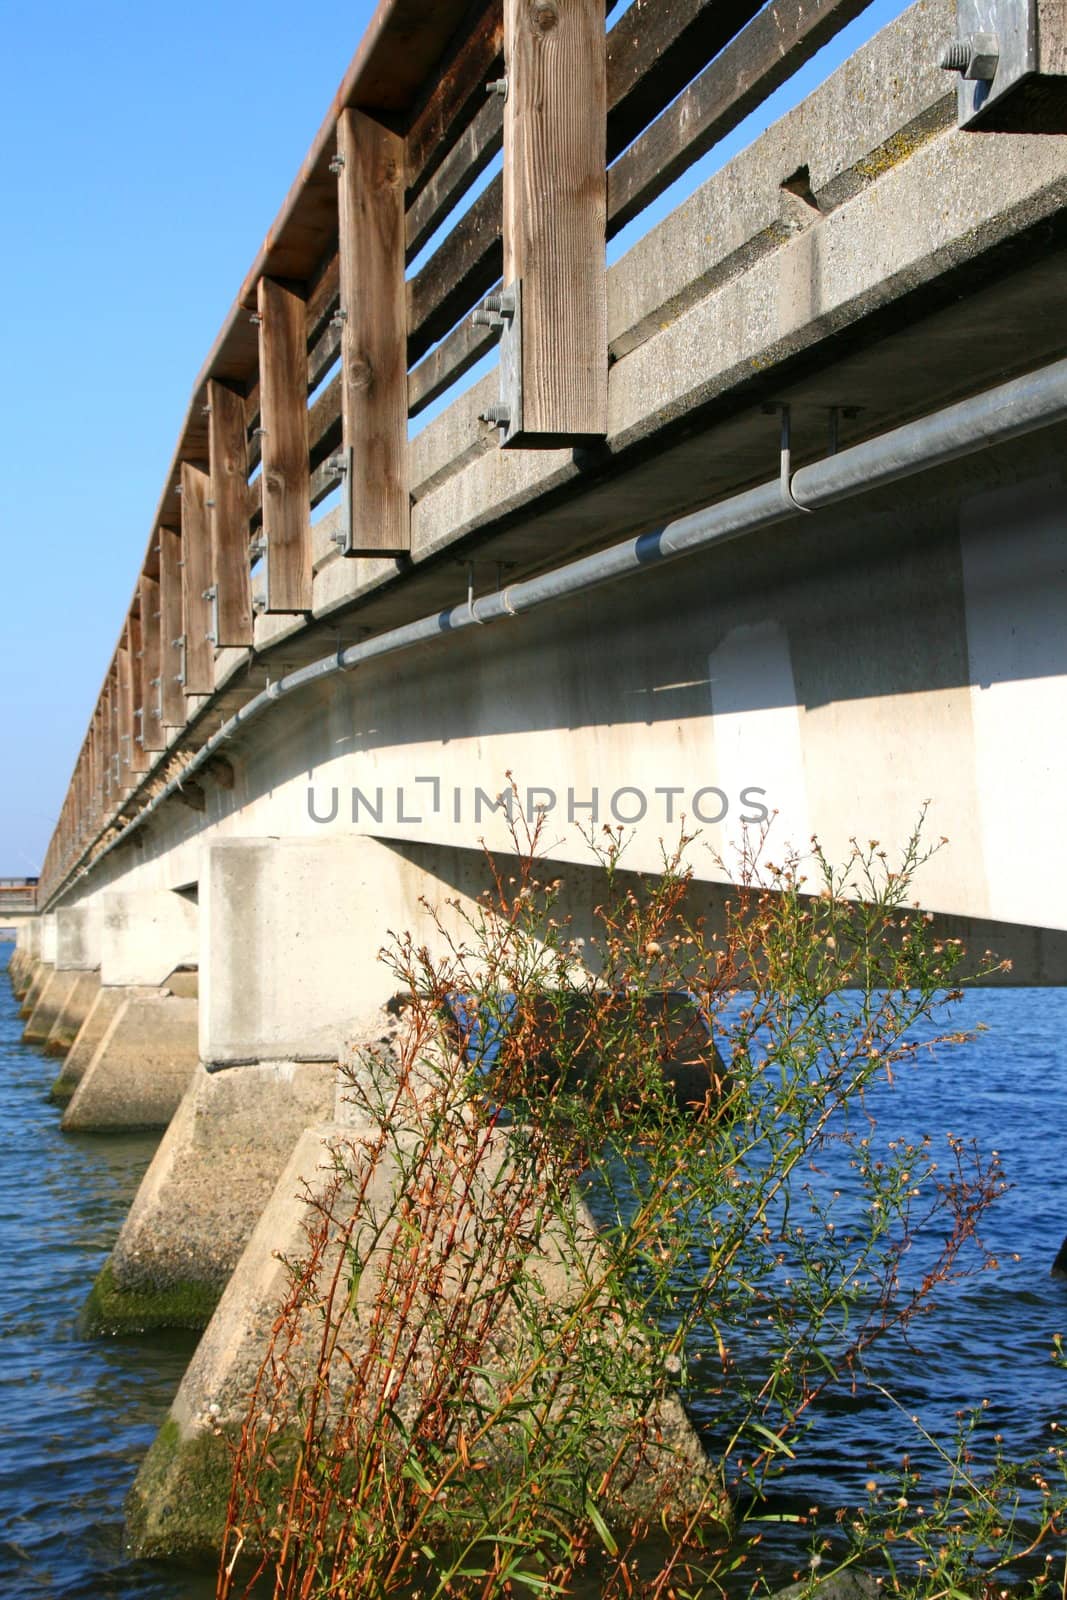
(18, 904)
(762, 523)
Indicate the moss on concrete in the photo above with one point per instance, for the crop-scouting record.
(114, 1309)
(177, 1506)
(63, 1088)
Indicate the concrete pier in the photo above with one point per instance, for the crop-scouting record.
(51, 1002)
(210, 1179)
(83, 1048)
(81, 997)
(140, 1069)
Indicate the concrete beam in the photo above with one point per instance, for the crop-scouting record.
(145, 934)
(293, 931)
(78, 937)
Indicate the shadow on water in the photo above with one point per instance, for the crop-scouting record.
(76, 1416)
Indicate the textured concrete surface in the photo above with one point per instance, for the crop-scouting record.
(79, 1057)
(38, 978)
(81, 997)
(209, 1181)
(145, 934)
(178, 1501)
(50, 1004)
(140, 1069)
(78, 936)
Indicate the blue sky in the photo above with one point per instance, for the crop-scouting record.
(146, 151)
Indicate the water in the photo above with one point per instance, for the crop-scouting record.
(76, 1416)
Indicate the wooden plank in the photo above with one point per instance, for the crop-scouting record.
(554, 217)
(466, 160)
(196, 579)
(229, 516)
(138, 755)
(374, 403)
(171, 626)
(152, 735)
(449, 360)
(457, 95)
(324, 423)
(768, 51)
(461, 270)
(654, 50)
(283, 407)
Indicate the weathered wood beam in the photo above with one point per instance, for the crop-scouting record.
(138, 756)
(374, 384)
(554, 207)
(231, 577)
(286, 471)
(196, 580)
(171, 627)
(152, 735)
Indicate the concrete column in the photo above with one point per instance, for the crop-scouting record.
(27, 955)
(145, 935)
(289, 972)
(48, 938)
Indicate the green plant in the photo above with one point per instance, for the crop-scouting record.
(584, 1165)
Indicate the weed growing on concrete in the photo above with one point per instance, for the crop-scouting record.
(580, 1165)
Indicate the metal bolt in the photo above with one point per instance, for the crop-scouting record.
(337, 163)
(974, 57)
(339, 318)
(499, 415)
(498, 86)
(205, 411)
(254, 318)
(955, 56)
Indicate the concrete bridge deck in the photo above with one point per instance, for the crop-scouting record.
(770, 530)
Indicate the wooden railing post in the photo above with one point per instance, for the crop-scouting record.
(124, 677)
(196, 580)
(373, 295)
(554, 218)
(286, 469)
(231, 571)
(172, 628)
(152, 737)
(138, 756)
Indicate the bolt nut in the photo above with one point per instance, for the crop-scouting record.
(499, 415)
(498, 86)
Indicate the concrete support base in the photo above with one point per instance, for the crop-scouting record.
(214, 1172)
(99, 1018)
(19, 971)
(178, 1503)
(49, 1008)
(69, 1022)
(140, 1069)
(42, 971)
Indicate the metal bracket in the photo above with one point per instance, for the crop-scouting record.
(504, 310)
(212, 595)
(340, 466)
(996, 48)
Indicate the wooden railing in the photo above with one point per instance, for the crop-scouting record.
(18, 897)
(334, 342)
